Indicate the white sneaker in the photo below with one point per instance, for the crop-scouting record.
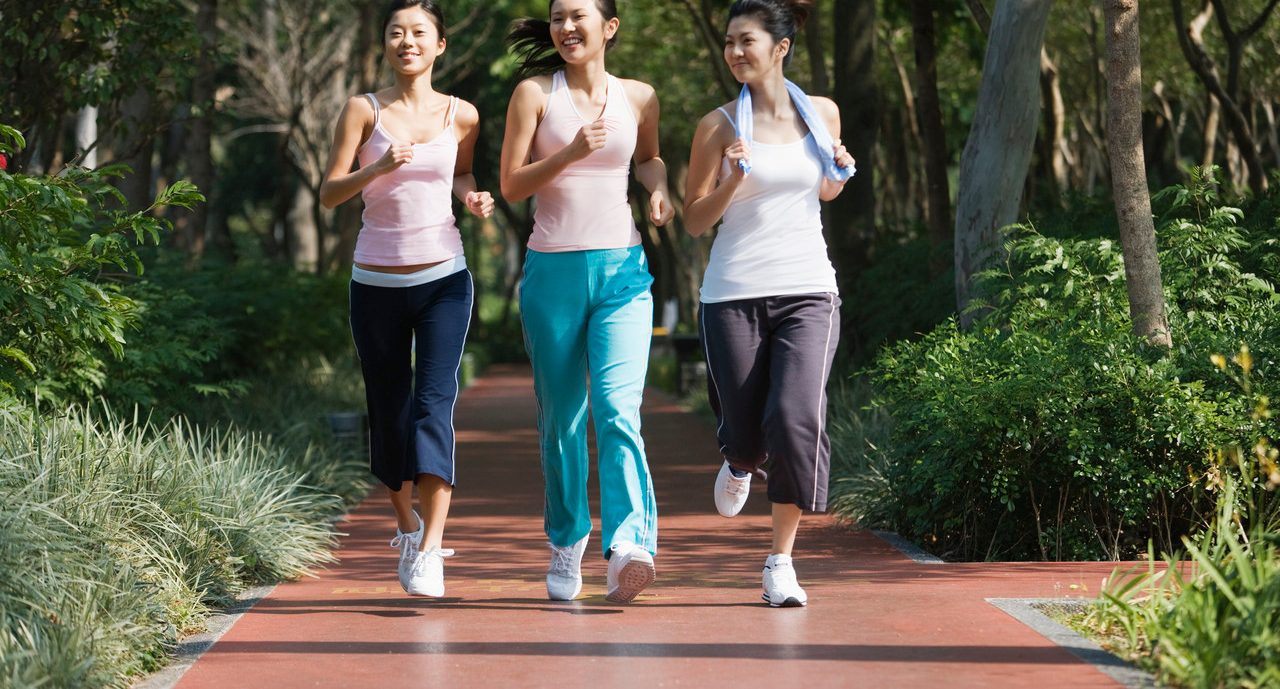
(426, 573)
(780, 587)
(630, 572)
(564, 576)
(731, 491)
(408, 543)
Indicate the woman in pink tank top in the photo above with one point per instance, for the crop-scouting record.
(573, 131)
(407, 150)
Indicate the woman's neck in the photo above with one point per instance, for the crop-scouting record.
(769, 96)
(589, 77)
(415, 89)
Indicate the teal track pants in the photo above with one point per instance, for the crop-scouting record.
(588, 315)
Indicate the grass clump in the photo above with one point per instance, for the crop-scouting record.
(118, 535)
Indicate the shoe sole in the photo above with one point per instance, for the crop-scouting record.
(788, 603)
(576, 592)
(635, 577)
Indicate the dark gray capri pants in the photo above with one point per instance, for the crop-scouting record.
(768, 361)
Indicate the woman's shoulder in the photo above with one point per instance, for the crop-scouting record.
(717, 118)
(467, 113)
(638, 90)
(826, 107)
(535, 86)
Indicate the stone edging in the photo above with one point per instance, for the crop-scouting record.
(191, 648)
(1024, 610)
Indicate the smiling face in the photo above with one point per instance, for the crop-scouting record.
(750, 51)
(579, 31)
(411, 41)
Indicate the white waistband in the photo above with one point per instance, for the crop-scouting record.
(374, 278)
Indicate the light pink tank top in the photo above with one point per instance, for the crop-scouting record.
(586, 206)
(408, 214)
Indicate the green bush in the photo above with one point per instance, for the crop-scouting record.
(1216, 622)
(1048, 430)
(215, 330)
(63, 316)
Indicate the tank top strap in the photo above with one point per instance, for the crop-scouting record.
(453, 112)
(377, 109)
(729, 117)
(616, 89)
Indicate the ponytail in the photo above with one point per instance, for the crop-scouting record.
(530, 40)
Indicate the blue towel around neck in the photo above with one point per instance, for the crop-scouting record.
(746, 129)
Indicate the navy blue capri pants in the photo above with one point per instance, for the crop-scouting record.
(410, 341)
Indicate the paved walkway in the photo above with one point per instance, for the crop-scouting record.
(875, 617)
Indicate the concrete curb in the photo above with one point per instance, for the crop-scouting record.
(1024, 610)
(191, 648)
(909, 549)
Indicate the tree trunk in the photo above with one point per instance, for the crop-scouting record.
(1129, 174)
(851, 224)
(1206, 70)
(1055, 115)
(191, 224)
(134, 147)
(993, 168)
(87, 136)
(821, 85)
(933, 135)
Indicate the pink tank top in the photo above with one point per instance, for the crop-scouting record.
(586, 206)
(408, 214)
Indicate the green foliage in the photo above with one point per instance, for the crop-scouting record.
(1049, 430)
(63, 55)
(59, 235)
(215, 330)
(116, 535)
(1215, 623)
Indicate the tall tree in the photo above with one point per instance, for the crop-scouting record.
(191, 225)
(993, 168)
(933, 134)
(1129, 174)
(1228, 94)
(853, 221)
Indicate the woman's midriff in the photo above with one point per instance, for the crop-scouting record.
(398, 270)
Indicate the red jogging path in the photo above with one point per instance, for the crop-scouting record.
(875, 618)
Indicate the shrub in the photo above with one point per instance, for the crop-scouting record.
(61, 313)
(1049, 430)
(1216, 622)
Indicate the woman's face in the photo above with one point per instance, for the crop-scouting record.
(411, 42)
(750, 51)
(579, 31)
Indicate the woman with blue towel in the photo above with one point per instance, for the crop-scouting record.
(770, 314)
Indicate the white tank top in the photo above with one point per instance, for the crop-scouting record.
(770, 241)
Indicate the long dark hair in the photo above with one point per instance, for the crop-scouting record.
(433, 10)
(781, 18)
(530, 40)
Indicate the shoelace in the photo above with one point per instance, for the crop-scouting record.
(737, 486)
(405, 542)
(562, 560)
(435, 556)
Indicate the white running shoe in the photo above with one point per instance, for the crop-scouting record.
(780, 587)
(630, 572)
(408, 543)
(426, 573)
(731, 491)
(564, 576)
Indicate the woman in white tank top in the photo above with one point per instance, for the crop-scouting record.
(770, 315)
(584, 296)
